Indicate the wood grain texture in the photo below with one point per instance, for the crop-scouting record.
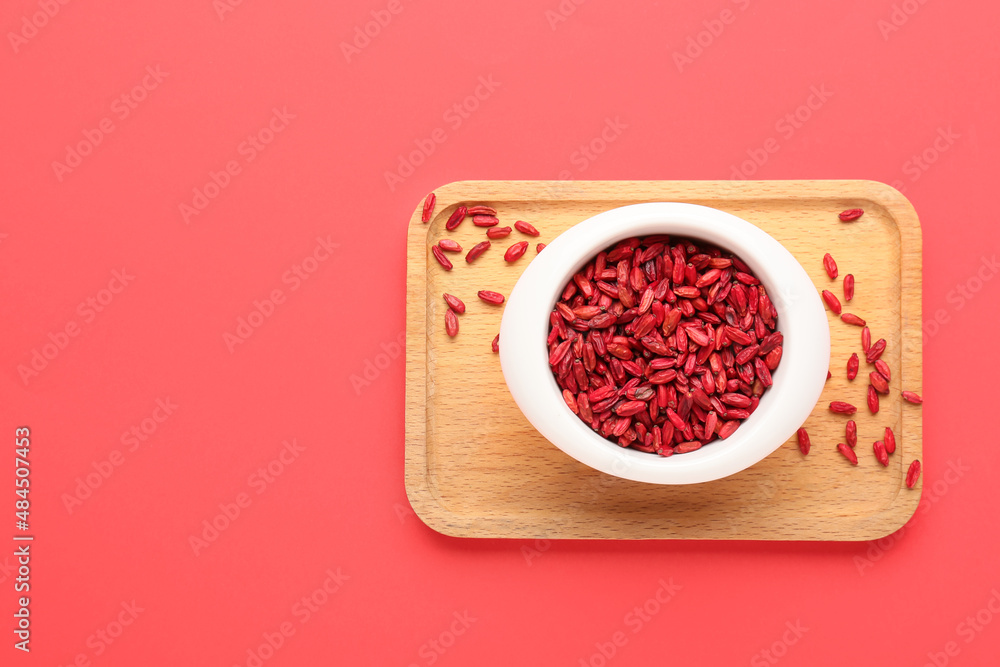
(475, 467)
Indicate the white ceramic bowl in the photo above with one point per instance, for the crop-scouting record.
(798, 381)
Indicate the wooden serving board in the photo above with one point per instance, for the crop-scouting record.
(475, 467)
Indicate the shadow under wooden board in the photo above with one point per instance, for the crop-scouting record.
(475, 467)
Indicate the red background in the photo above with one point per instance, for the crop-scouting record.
(341, 503)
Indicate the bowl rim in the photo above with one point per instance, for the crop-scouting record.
(798, 381)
